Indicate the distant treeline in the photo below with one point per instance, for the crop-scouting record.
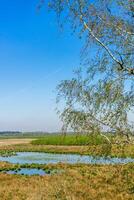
(20, 134)
(35, 134)
(9, 132)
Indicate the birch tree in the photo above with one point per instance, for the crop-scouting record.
(101, 94)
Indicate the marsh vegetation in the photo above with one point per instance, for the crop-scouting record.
(89, 182)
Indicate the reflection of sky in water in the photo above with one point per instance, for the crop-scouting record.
(26, 171)
(46, 158)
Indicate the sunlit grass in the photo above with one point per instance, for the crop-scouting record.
(71, 140)
(78, 182)
(126, 150)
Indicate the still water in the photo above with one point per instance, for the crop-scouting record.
(26, 171)
(47, 158)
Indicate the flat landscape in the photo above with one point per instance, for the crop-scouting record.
(67, 100)
(6, 142)
(64, 180)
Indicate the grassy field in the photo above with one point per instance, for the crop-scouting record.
(70, 140)
(123, 151)
(6, 142)
(76, 182)
(88, 145)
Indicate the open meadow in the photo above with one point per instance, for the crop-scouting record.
(72, 181)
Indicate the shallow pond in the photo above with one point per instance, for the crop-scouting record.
(27, 171)
(47, 158)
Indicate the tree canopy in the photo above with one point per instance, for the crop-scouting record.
(101, 94)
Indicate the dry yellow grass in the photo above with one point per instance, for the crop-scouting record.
(77, 182)
(7, 142)
(126, 150)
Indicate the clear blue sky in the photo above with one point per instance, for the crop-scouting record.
(34, 57)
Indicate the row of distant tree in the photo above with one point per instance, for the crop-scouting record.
(19, 133)
(9, 132)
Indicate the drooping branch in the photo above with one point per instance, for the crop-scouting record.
(106, 138)
(116, 27)
(122, 67)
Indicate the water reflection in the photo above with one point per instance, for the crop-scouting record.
(47, 158)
